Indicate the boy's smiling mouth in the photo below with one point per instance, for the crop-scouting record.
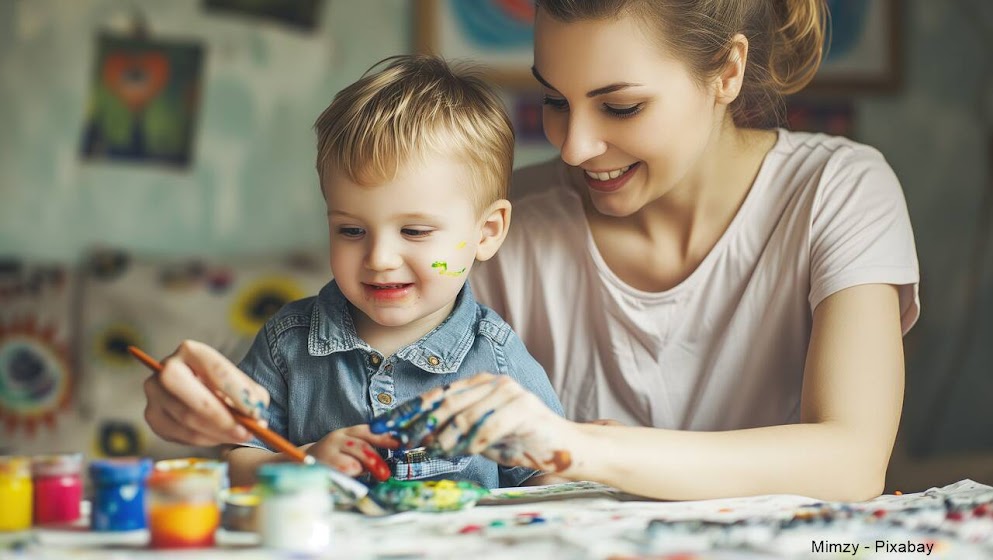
(386, 292)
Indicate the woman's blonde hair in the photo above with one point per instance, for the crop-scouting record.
(785, 42)
(417, 106)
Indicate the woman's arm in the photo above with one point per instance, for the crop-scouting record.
(851, 403)
(850, 410)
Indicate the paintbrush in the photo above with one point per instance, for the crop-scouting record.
(350, 487)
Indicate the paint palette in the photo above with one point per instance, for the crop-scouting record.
(430, 495)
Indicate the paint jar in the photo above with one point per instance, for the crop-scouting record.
(296, 505)
(58, 487)
(182, 508)
(219, 469)
(119, 494)
(241, 508)
(15, 493)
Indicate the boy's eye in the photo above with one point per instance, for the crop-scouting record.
(411, 232)
(556, 103)
(623, 110)
(348, 231)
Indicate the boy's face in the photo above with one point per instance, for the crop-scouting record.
(401, 251)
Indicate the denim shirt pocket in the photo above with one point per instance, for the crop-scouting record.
(415, 466)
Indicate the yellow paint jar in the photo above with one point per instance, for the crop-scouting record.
(15, 493)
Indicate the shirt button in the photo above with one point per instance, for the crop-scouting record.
(433, 360)
(384, 398)
(374, 359)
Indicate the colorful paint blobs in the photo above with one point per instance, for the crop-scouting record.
(461, 245)
(376, 465)
(442, 267)
(430, 496)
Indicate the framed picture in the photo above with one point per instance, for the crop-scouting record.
(144, 101)
(497, 34)
(864, 47)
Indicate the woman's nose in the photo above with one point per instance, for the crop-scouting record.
(582, 141)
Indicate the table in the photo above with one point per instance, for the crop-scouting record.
(585, 520)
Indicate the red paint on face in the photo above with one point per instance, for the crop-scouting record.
(349, 443)
(376, 465)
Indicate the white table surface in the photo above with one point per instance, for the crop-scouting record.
(590, 521)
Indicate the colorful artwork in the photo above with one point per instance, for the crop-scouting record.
(117, 438)
(830, 116)
(496, 33)
(863, 48)
(432, 495)
(35, 379)
(144, 101)
(110, 345)
(302, 14)
(528, 126)
(260, 300)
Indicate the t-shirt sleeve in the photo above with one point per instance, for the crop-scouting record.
(531, 376)
(861, 233)
(260, 365)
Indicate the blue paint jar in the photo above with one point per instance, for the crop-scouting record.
(119, 494)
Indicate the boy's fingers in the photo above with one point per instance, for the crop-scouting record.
(368, 457)
(218, 373)
(187, 392)
(362, 432)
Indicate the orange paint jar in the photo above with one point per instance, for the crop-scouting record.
(183, 511)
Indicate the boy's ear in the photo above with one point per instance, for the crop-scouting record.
(730, 80)
(493, 229)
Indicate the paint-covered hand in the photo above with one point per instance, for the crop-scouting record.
(350, 450)
(185, 400)
(486, 414)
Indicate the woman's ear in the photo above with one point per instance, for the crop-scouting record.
(493, 229)
(730, 80)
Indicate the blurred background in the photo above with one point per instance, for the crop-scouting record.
(157, 183)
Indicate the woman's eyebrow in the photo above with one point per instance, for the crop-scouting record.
(593, 93)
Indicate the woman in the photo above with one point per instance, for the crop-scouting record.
(735, 296)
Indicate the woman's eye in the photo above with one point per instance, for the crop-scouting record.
(411, 232)
(623, 110)
(557, 103)
(350, 231)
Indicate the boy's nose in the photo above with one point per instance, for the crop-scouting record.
(582, 143)
(382, 256)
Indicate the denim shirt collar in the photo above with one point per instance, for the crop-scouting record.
(442, 350)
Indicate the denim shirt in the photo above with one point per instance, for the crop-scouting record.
(322, 377)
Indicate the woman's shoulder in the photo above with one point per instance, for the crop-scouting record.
(825, 150)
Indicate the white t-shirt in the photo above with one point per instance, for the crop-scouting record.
(724, 349)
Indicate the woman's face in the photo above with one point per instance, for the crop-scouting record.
(621, 109)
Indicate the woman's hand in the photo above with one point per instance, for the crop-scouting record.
(350, 451)
(487, 414)
(184, 400)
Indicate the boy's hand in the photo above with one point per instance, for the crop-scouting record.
(350, 450)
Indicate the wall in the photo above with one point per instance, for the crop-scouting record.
(252, 185)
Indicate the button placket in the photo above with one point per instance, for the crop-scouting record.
(381, 384)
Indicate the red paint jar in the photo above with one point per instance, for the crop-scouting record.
(58, 487)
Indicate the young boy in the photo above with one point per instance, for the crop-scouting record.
(414, 163)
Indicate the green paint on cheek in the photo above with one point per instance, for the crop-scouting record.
(442, 267)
